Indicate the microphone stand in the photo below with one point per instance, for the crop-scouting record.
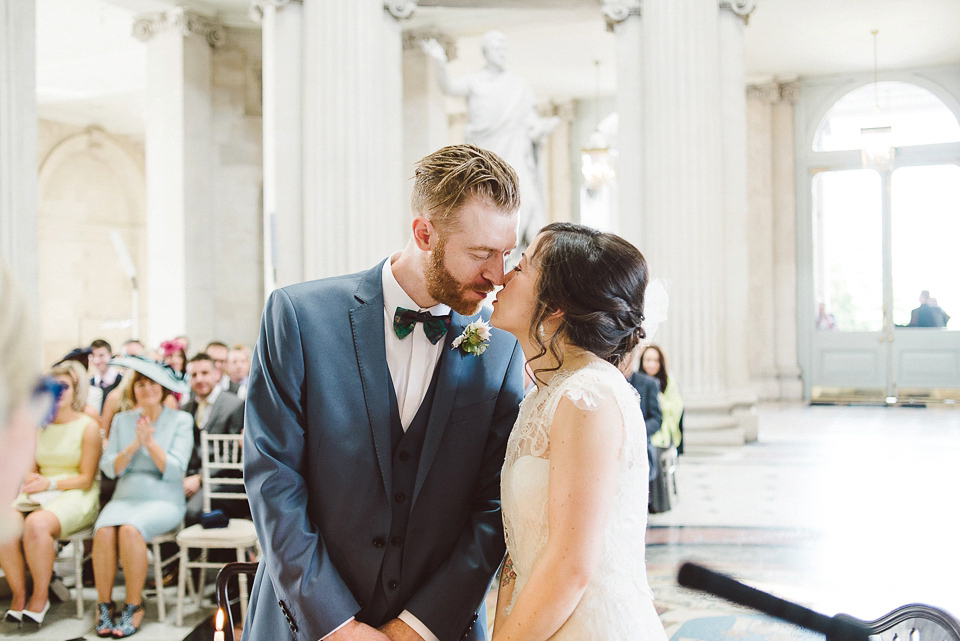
(836, 628)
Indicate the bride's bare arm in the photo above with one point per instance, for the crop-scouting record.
(508, 580)
(584, 452)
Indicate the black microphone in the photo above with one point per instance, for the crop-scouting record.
(838, 628)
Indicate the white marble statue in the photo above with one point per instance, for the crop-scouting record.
(501, 117)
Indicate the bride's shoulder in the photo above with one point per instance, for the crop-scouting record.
(593, 385)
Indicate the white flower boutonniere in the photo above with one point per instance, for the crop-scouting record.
(474, 339)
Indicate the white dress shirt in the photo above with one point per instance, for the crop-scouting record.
(412, 361)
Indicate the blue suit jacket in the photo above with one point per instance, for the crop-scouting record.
(318, 458)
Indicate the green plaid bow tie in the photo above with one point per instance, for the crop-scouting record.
(433, 326)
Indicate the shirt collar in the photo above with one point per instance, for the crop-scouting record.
(212, 396)
(394, 296)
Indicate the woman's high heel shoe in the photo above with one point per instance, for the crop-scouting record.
(125, 625)
(105, 622)
(36, 617)
(14, 616)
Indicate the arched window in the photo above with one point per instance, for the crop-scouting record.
(884, 171)
(915, 117)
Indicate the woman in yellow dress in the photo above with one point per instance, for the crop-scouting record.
(59, 497)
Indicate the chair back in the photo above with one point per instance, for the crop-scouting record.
(222, 467)
(914, 622)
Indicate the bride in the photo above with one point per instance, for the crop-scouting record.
(574, 483)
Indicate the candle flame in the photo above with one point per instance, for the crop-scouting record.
(219, 619)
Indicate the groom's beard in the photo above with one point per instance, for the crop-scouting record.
(444, 288)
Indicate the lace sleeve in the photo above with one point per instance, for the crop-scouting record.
(590, 386)
(587, 389)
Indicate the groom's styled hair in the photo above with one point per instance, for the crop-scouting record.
(448, 178)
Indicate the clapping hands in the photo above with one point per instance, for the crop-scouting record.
(145, 430)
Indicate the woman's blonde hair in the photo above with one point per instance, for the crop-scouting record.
(77, 373)
(19, 345)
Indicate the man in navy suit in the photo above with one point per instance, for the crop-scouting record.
(372, 447)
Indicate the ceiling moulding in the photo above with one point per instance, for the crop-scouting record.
(182, 20)
(509, 4)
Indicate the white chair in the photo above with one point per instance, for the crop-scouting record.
(159, 563)
(218, 452)
(77, 540)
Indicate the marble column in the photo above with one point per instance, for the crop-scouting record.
(624, 18)
(18, 144)
(352, 134)
(282, 28)
(425, 124)
(785, 243)
(760, 248)
(733, 17)
(681, 197)
(179, 151)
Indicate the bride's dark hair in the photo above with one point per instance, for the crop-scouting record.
(597, 280)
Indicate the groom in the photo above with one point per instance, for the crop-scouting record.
(373, 450)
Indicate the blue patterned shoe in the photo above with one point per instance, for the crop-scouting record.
(105, 622)
(125, 625)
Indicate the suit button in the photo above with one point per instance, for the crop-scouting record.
(396, 541)
(379, 542)
(393, 585)
(404, 456)
(401, 497)
(474, 618)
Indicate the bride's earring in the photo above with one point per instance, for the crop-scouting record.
(540, 330)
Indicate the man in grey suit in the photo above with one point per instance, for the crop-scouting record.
(214, 410)
(372, 447)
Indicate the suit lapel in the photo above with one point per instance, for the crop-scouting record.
(213, 413)
(451, 367)
(366, 321)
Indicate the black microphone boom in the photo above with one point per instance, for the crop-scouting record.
(838, 628)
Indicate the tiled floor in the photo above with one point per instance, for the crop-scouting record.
(842, 509)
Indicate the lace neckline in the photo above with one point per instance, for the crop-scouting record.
(563, 374)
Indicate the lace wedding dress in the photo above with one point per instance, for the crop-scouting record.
(617, 604)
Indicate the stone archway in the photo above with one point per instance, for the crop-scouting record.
(89, 185)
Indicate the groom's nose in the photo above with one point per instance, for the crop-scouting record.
(493, 270)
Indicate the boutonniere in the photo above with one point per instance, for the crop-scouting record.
(474, 339)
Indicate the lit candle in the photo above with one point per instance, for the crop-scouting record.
(218, 634)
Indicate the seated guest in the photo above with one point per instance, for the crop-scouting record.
(214, 410)
(105, 377)
(58, 498)
(238, 369)
(147, 453)
(132, 347)
(89, 397)
(219, 352)
(174, 354)
(671, 404)
(649, 389)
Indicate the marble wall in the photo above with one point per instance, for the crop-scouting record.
(93, 182)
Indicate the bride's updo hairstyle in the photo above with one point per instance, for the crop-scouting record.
(597, 280)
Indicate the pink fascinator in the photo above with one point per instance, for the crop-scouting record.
(172, 346)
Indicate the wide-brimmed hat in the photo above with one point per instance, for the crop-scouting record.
(156, 372)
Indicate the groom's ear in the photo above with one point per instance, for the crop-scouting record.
(424, 234)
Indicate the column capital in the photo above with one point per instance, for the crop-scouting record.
(790, 91)
(257, 7)
(414, 38)
(181, 20)
(774, 93)
(619, 10)
(768, 92)
(742, 8)
(400, 9)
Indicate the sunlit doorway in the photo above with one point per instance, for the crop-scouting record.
(885, 207)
